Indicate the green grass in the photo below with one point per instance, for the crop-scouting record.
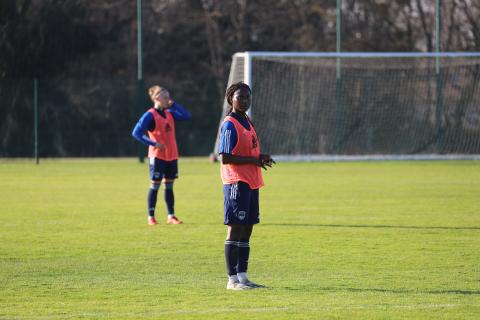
(372, 240)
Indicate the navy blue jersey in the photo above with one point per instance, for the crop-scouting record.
(228, 134)
(147, 122)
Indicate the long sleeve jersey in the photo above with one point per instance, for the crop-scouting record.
(147, 122)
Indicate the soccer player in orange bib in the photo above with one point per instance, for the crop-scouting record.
(240, 170)
(159, 123)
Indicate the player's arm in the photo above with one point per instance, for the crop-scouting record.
(264, 160)
(226, 158)
(139, 132)
(179, 112)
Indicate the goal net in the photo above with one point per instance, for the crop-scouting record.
(329, 106)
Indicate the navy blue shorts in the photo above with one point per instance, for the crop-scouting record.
(240, 204)
(160, 169)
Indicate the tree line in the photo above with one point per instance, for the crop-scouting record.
(84, 55)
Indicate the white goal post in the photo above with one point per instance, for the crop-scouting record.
(312, 106)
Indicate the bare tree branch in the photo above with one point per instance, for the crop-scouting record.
(428, 34)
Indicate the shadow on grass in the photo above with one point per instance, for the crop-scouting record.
(380, 226)
(396, 291)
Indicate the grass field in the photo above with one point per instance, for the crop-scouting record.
(372, 240)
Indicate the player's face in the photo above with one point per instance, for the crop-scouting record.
(161, 98)
(241, 100)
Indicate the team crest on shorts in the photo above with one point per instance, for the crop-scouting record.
(241, 215)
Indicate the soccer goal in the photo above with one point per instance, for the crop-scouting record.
(363, 106)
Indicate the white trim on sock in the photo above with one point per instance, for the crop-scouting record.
(233, 278)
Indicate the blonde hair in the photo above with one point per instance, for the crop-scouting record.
(152, 90)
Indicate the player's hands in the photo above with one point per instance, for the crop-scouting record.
(159, 146)
(265, 160)
(170, 103)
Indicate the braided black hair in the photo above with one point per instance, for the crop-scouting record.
(231, 90)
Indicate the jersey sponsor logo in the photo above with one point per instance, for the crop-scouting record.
(168, 128)
(241, 215)
(254, 142)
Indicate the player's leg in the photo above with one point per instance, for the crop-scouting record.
(243, 257)
(171, 173)
(237, 204)
(152, 201)
(252, 218)
(231, 254)
(243, 252)
(156, 167)
(233, 233)
(249, 218)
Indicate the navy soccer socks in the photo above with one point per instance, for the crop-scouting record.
(236, 259)
(243, 254)
(169, 198)
(231, 257)
(153, 195)
(152, 201)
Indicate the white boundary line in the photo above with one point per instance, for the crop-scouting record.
(379, 157)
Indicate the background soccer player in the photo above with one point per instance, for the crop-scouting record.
(241, 161)
(159, 123)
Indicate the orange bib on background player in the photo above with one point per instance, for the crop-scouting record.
(247, 146)
(163, 133)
